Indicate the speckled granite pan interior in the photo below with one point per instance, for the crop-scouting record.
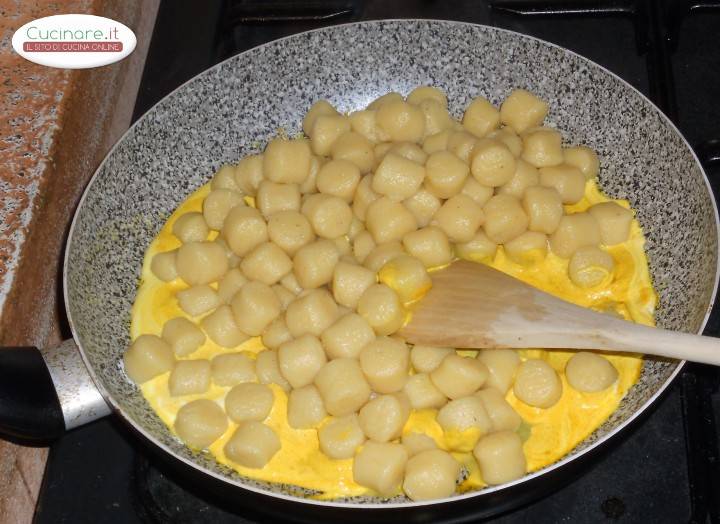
(233, 109)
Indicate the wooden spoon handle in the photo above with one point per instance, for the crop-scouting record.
(625, 336)
(474, 306)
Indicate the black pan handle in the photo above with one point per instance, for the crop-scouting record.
(45, 393)
(29, 406)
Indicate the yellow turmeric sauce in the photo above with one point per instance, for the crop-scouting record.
(550, 433)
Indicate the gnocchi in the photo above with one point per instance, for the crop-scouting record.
(249, 401)
(340, 437)
(590, 372)
(252, 445)
(383, 418)
(318, 247)
(380, 467)
(342, 386)
(385, 362)
(200, 422)
(430, 474)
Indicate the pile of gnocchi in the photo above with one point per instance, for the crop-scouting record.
(320, 246)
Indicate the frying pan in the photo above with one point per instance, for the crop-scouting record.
(232, 109)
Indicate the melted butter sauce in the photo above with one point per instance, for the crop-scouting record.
(551, 433)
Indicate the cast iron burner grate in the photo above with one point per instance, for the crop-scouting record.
(664, 469)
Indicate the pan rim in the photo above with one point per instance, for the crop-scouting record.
(116, 408)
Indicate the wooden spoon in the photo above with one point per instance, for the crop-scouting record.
(472, 305)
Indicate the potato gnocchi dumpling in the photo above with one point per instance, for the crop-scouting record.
(388, 220)
(584, 158)
(342, 386)
(249, 174)
(381, 254)
(385, 362)
(279, 290)
(267, 263)
(401, 121)
(502, 365)
(290, 230)
(254, 307)
(225, 178)
(542, 147)
(492, 163)
(199, 423)
(380, 306)
(537, 384)
(525, 176)
(201, 262)
(382, 418)
(409, 151)
(430, 474)
(189, 377)
(463, 414)
(544, 209)
(573, 232)
(230, 369)
(217, 205)
(252, 445)
(430, 245)
(349, 283)
(397, 177)
(285, 296)
(501, 413)
(407, 276)
(191, 227)
(347, 336)
(613, 220)
(183, 336)
(314, 264)
(326, 129)
(459, 217)
(197, 300)
(147, 357)
(422, 393)
(416, 442)
(505, 218)
(459, 376)
(276, 333)
(243, 229)
(340, 437)
(477, 191)
(230, 284)
(164, 265)
(423, 205)
(427, 358)
(268, 369)
(590, 372)
(528, 248)
(305, 407)
(301, 359)
(481, 117)
(522, 110)
(311, 313)
(249, 401)
(461, 144)
(380, 466)
(590, 267)
(500, 457)
(477, 249)
(567, 180)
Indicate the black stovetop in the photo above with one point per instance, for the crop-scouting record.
(664, 468)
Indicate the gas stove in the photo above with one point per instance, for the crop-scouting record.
(664, 468)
